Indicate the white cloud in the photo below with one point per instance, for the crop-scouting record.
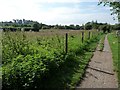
(18, 9)
(57, 17)
(65, 1)
(35, 10)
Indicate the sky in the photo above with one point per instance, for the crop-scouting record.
(64, 12)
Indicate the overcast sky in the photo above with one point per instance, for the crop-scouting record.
(55, 11)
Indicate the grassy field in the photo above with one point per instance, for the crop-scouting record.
(38, 59)
(113, 40)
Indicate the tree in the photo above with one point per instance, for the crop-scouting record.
(103, 28)
(108, 28)
(116, 27)
(115, 7)
(77, 27)
(71, 26)
(37, 26)
(88, 26)
(95, 24)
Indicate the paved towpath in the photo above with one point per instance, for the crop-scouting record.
(99, 73)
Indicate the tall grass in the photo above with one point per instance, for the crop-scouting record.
(32, 60)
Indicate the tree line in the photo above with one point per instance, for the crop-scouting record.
(29, 25)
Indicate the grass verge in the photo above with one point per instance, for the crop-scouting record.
(113, 41)
(101, 44)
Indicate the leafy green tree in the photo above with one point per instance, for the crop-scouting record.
(77, 27)
(56, 26)
(88, 26)
(66, 27)
(72, 26)
(95, 25)
(116, 27)
(108, 28)
(37, 26)
(103, 28)
(114, 5)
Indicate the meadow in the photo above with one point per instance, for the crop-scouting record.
(34, 60)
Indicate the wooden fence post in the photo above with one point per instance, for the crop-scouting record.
(82, 37)
(66, 43)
